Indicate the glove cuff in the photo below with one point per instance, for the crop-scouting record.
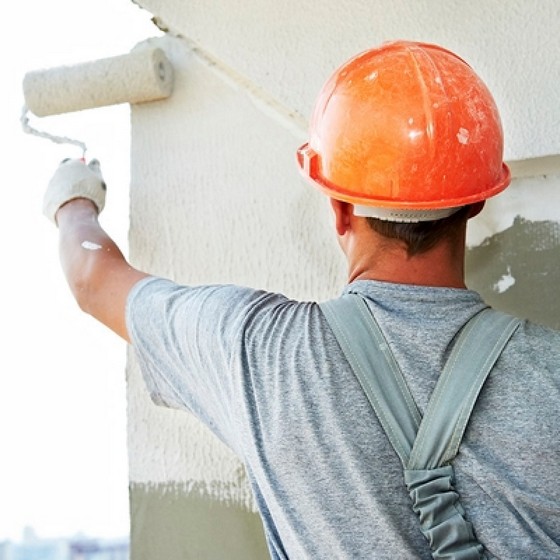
(74, 180)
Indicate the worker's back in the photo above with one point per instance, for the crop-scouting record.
(268, 376)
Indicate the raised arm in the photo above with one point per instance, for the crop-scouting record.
(97, 272)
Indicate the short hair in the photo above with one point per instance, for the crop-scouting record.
(420, 237)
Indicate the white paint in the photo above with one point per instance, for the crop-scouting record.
(290, 62)
(90, 246)
(505, 282)
(463, 136)
(267, 103)
(140, 76)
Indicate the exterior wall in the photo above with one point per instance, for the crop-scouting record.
(216, 197)
(513, 258)
(288, 48)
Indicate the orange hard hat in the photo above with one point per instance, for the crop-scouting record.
(407, 132)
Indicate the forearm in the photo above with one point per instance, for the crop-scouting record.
(84, 247)
(99, 276)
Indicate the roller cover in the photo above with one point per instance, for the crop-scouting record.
(140, 76)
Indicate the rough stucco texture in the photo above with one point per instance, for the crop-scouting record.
(215, 197)
(289, 48)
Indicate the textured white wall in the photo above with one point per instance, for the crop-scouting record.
(215, 194)
(216, 197)
(288, 48)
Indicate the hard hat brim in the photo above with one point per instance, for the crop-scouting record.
(308, 166)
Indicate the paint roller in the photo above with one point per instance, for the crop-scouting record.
(143, 75)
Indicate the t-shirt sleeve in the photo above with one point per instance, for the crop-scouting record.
(189, 342)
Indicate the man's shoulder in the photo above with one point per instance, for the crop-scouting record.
(538, 339)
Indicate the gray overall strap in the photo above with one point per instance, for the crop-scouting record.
(367, 351)
(425, 446)
(474, 354)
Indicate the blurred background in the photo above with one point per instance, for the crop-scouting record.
(63, 467)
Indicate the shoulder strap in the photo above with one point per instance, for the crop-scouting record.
(434, 440)
(478, 347)
(425, 446)
(373, 363)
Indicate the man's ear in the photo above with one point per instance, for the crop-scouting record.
(343, 212)
(476, 208)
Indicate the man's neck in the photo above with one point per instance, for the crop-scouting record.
(442, 266)
(373, 256)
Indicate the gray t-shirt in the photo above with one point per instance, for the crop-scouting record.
(266, 374)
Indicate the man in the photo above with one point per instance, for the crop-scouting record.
(406, 141)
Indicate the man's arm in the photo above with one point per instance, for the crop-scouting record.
(97, 272)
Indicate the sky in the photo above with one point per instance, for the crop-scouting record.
(63, 466)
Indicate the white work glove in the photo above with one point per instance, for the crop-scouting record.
(74, 179)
